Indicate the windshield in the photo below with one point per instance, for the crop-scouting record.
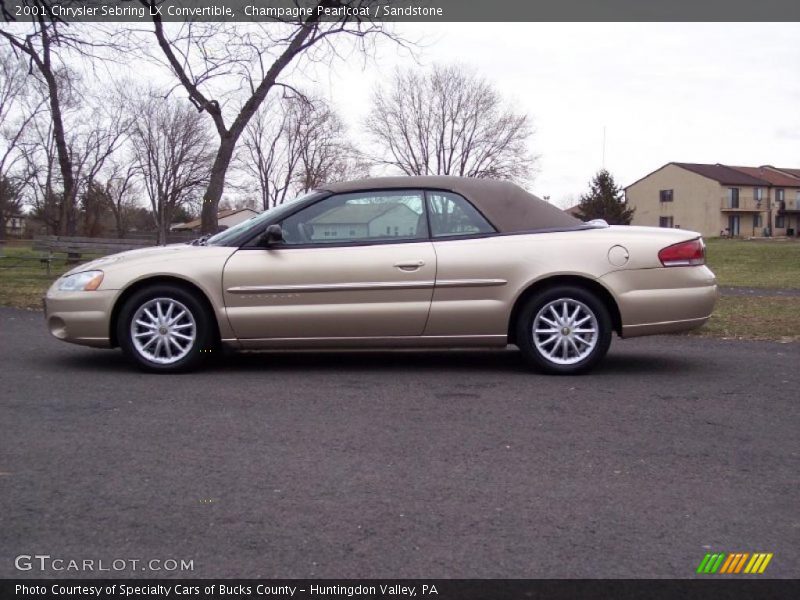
(227, 237)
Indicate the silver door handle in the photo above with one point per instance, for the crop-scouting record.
(410, 265)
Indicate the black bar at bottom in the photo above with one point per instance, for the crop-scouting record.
(728, 588)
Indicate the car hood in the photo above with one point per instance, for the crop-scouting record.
(150, 254)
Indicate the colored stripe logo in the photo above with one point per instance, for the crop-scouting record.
(734, 563)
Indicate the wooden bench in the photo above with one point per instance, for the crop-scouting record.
(76, 247)
(16, 262)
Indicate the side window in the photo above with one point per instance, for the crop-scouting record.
(359, 217)
(450, 214)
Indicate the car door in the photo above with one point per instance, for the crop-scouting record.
(473, 270)
(357, 265)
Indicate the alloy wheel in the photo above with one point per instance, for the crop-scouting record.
(565, 331)
(163, 330)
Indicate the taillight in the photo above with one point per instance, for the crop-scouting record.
(684, 254)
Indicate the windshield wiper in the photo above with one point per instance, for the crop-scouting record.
(201, 241)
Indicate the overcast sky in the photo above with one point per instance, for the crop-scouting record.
(726, 93)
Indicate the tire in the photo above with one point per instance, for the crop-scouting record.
(560, 347)
(150, 308)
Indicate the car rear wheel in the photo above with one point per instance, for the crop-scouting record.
(564, 330)
(164, 329)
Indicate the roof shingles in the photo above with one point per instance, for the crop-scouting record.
(723, 174)
(771, 175)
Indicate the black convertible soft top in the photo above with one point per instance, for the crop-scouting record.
(509, 208)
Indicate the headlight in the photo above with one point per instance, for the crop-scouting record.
(81, 282)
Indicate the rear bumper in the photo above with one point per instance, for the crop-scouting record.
(663, 300)
(629, 331)
(80, 317)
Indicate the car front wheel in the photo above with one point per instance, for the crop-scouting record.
(564, 330)
(164, 329)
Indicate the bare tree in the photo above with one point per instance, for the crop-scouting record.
(121, 189)
(46, 42)
(251, 60)
(172, 150)
(449, 122)
(325, 153)
(95, 143)
(39, 44)
(16, 112)
(89, 143)
(15, 116)
(293, 146)
(41, 173)
(271, 151)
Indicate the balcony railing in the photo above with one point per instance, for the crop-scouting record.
(791, 205)
(744, 204)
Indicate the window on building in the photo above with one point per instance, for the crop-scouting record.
(665, 195)
(666, 222)
(756, 221)
(780, 199)
(733, 197)
(758, 194)
(780, 221)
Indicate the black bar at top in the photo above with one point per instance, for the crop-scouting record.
(422, 10)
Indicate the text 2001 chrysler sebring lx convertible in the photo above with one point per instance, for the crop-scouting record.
(393, 262)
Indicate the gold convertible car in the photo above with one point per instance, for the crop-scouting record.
(389, 263)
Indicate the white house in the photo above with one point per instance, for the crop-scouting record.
(359, 221)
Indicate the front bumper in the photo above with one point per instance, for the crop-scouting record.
(80, 317)
(663, 300)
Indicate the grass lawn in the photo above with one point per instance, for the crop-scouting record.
(758, 264)
(735, 262)
(754, 318)
(24, 282)
(755, 264)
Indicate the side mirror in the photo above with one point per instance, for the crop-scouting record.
(271, 236)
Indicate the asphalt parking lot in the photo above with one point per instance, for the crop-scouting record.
(412, 464)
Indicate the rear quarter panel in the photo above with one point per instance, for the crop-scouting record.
(525, 259)
(656, 299)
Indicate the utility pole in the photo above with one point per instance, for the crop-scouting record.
(604, 147)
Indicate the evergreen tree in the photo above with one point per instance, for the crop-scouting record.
(605, 201)
(10, 202)
(94, 204)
